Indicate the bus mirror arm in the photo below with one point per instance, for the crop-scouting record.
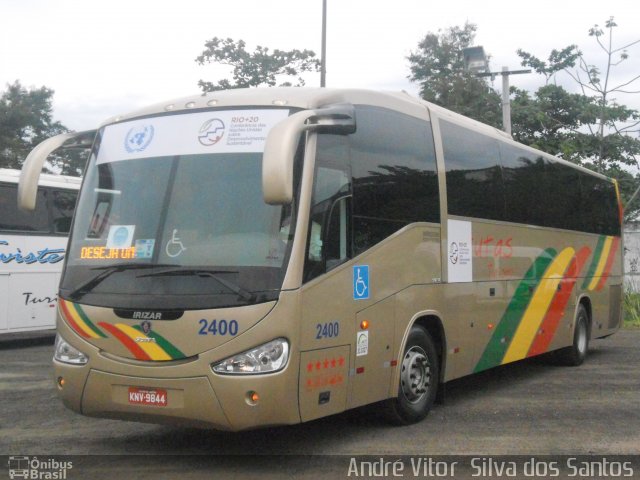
(282, 143)
(32, 167)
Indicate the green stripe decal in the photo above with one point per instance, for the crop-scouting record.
(163, 343)
(86, 320)
(594, 262)
(506, 328)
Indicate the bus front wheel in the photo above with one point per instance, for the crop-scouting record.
(419, 376)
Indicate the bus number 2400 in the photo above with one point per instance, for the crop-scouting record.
(218, 327)
(327, 330)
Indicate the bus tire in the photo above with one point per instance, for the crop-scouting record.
(419, 377)
(575, 354)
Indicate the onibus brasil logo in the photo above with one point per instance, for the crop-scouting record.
(33, 468)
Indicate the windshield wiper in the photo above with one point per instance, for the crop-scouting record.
(107, 271)
(244, 294)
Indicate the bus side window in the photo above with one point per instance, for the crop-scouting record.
(62, 205)
(393, 167)
(15, 220)
(328, 239)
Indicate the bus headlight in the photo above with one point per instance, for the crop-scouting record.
(266, 358)
(65, 353)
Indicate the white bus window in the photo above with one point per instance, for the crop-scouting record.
(62, 205)
(15, 220)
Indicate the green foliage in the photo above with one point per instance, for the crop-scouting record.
(438, 67)
(253, 69)
(70, 161)
(546, 119)
(558, 61)
(631, 308)
(25, 121)
(557, 121)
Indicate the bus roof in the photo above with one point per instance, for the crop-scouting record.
(46, 179)
(309, 97)
(295, 97)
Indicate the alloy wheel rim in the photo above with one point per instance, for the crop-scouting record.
(415, 377)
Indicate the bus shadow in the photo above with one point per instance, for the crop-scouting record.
(28, 339)
(507, 377)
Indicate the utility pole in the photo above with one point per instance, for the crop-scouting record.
(506, 101)
(476, 62)
(323, 55)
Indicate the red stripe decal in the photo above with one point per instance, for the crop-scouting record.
(71, 321)
(558, 304)
(609, 264)
(126, 341)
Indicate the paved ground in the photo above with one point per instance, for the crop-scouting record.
(529, 408)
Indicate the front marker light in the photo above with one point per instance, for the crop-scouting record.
(267, 358)
(65, 353)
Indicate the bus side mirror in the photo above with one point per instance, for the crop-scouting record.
(282, 143)
(32, 167)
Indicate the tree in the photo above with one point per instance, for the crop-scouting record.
(71, 158)
(258, 68)
(550, 120)
(609, 128)
(589, 128)
(25, 120)
(438, 67)
(558, 61)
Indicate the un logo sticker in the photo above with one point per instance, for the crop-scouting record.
(138, 138)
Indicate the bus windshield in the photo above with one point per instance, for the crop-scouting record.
(184, 231)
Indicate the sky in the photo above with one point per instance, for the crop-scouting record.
(111, 57)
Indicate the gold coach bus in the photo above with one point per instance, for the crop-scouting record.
(270, 256)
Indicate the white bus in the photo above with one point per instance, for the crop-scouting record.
(32, 250)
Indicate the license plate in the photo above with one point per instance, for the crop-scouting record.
(148, 396)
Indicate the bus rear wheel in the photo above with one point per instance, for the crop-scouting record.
(577, 352)
(419, 376)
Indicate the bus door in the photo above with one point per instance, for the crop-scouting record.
(337, 372)
(327, 309)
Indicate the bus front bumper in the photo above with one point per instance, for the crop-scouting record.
(206, 401)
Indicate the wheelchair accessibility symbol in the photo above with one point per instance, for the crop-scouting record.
(361, 282)
(174, 246)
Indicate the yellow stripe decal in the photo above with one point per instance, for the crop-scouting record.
(149, 347)
(78, 319)
(533, 316)
(601, 263)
